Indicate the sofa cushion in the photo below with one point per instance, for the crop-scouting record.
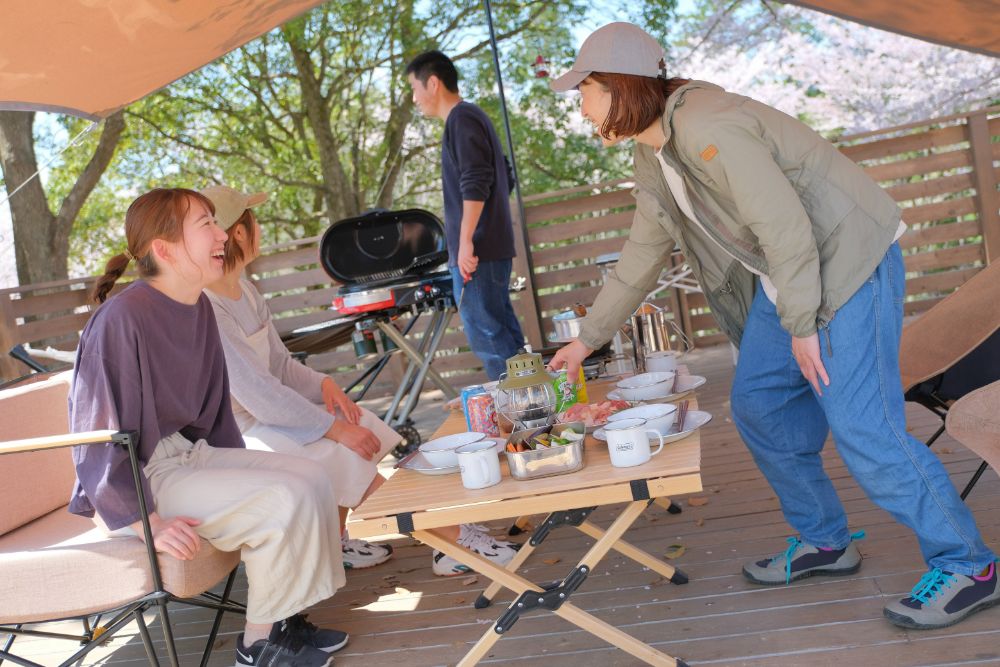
(62, 565)
(34, 483)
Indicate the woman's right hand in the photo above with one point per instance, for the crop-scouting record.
(571, 356)
(175, 536)
(355, 437)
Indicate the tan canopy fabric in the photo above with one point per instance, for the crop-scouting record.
(91, 57)
(963, 24)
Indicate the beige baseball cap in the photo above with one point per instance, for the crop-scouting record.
(617, 48)
(230, 203)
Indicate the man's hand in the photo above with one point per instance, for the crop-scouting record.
(806, 352)
(335, 399)
(175, 537)
(467, 261)
(356, 438)
(571, 356)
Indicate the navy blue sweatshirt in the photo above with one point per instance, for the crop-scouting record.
(473, 168)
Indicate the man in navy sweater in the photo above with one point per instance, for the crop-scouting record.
(476, 211)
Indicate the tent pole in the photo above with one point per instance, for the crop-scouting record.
(533, 310)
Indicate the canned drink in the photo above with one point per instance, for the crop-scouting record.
(481, 414)
(364, 343)
(467, 392)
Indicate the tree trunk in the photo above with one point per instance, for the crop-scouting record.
(29, 210)
(41, 238)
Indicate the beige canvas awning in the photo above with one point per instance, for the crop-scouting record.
(973, 25)
(91, 57)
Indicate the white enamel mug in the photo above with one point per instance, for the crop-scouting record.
(479, 464)
(665, 361)
(628, 442)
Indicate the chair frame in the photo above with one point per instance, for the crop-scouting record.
(93, 634)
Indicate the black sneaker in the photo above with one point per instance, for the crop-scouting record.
(801, 560)
(324, 639)
(280, 649)
(942, 598)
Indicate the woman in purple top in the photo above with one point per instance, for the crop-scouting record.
(150, 360)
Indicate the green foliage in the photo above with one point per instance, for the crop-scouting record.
(318, 114)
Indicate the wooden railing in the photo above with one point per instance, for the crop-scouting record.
(942, 172)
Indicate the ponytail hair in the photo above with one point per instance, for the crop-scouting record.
(112, 272)
(158, 214)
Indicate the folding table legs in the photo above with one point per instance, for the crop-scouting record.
(577, 518)
(531, 596)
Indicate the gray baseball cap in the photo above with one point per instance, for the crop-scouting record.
(617, 48)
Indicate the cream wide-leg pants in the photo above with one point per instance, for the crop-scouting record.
(279, 511)
(351, 475)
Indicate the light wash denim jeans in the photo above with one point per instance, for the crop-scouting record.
(488, 317)
(785, 424)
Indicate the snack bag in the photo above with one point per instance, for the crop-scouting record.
(569, 393)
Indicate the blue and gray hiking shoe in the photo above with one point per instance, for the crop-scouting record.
(942, 598)
(325, 639)
(801, 560)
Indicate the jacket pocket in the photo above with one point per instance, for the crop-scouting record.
(730, 303)
(827, 206)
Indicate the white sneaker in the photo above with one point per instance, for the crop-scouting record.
(359, 554)
(498, 551)
(466, 528)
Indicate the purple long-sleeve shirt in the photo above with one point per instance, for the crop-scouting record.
(150, 364)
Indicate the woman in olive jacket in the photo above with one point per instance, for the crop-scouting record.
(795, 249)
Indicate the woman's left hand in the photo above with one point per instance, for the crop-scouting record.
(806, 352)
(336, 399)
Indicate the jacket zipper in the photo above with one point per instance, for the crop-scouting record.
(824, 327)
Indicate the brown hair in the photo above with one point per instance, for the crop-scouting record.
(234, 253)
(636, 101)
(158, 214)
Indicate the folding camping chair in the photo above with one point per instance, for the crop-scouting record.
(974, 420)
(954, 348)
(56, 566)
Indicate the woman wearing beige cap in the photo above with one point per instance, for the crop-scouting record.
(284, 406)
(795, 249)
(280, 404)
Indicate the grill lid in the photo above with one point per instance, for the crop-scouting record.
(383, 245)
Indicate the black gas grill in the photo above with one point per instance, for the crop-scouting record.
(391, 263)
(388, 260)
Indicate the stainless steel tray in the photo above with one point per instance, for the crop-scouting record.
(557, 460)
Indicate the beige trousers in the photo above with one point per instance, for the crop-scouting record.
(351, 475)
(279, 511)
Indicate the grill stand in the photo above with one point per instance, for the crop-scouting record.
(418, 365)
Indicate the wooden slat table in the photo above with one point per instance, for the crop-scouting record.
(417, 504)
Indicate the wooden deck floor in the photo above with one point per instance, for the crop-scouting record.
(400, 614)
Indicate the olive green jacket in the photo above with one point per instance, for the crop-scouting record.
(769, 190)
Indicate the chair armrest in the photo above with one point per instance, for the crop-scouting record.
(127, 439)
(57, 441)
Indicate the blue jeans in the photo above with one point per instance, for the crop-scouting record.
(488, 317)
(785, 423)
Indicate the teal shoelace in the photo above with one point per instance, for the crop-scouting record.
(794, 543)
(930, 585)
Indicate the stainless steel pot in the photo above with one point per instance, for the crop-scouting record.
(567, 325)
(650, 333)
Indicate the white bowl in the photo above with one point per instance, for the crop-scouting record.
(440, 452)
(659, 416)
(646, 386)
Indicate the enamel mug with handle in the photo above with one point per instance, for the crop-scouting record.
(479, 464)
(628, 442)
